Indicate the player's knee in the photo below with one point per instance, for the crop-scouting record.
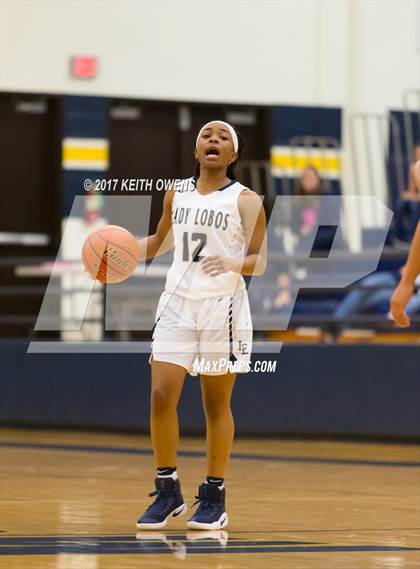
(162, 399)
(215, 408)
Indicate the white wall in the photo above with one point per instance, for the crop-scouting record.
(359, 54)
(383, 53)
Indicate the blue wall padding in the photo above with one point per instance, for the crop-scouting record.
(360, 390)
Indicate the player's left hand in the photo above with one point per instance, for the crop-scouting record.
(214, 265)
(399, 300)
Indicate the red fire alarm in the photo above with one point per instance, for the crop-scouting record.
(83, 67)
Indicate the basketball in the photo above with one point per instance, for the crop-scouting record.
(110, 254)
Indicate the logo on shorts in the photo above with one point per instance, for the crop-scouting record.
(243, 347)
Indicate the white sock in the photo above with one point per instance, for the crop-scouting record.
(161, 474)
(220, 487)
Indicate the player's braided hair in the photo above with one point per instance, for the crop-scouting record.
(230, 172)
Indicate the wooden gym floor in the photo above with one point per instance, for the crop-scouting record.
(71, 500)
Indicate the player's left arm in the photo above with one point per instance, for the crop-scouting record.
(255, 227)
(254, 222)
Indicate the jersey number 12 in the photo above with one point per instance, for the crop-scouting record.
(201, 238)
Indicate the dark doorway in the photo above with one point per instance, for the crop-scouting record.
(30, 165)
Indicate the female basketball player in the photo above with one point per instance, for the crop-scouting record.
(411, 270)
(203, 323)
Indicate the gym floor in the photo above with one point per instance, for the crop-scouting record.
(70, 500)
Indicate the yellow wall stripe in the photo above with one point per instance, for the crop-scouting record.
(300, 162)
(290, 161)
(85, 154)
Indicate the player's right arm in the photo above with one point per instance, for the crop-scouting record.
(162, 241)
(404, 290)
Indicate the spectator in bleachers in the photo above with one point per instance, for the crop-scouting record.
(372, 296)
(305, 214)
(283, 298)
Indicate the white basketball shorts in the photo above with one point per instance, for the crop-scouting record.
(211, 336)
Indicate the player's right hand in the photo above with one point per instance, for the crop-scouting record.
(399, 301)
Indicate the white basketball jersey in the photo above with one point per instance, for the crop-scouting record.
(205, 225)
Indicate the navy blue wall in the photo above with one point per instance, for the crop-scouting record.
(359, 390)
(290, 121)
(83, 117)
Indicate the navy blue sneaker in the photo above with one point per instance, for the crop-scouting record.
(210, 514)
(169, 502)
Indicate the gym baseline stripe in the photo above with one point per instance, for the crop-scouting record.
(147, 549)
(234, 456)
(130, 539)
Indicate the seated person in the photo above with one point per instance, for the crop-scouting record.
(372, 296)
(305, 214)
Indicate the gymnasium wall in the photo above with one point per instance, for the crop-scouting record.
(370, 391)
(312, 52)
